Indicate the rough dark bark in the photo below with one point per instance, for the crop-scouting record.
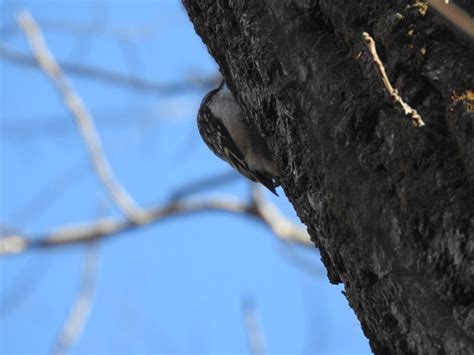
(389, 205)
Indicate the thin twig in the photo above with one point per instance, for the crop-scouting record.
(114, 78)
(97, 26)
(94, 28)
(207, 183)
(25, 282)
(108, 227)
(41, 201)
(83, 119)
(81, 308)
(253, 330)
(288, 252)
(457, 16)
(407, 109)
(281, 226)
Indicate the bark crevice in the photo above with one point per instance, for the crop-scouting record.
(389, 205)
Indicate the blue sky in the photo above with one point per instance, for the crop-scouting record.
(179, 285)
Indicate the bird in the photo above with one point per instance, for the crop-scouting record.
(224, 129)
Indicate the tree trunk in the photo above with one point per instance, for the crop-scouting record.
(389, 205)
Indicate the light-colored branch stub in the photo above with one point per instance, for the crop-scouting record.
(406, 109)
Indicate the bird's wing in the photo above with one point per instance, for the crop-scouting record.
(226, 149)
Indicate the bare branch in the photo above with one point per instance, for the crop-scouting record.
(96, 27)
(114, 78)
(107, 227)
(15, 293)
(41, 201)
(83, 119)
(207, 183)
(288, 252)
(281, 226)
(454, 14)
(253, 330)
(407, 110)
(80, 310)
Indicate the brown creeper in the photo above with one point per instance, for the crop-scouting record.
(224, 129)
